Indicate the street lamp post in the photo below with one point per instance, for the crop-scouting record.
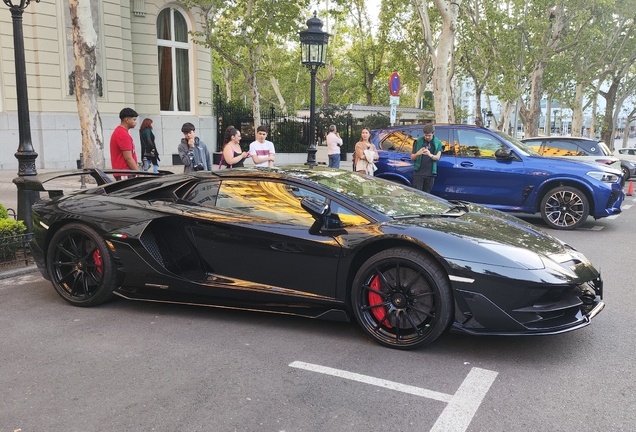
(25, 155)
(313, 51)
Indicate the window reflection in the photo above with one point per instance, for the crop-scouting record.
(477, 144)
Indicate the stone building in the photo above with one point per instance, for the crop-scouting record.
(146, 60)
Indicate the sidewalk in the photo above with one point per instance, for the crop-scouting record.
(9, 192)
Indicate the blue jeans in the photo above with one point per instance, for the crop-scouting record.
(147, 164)
(334, 160)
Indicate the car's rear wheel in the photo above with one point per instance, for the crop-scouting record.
(80, 266)
(625, 173)
(402, 298)
(565, 207)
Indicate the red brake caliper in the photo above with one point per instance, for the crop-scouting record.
(374, 299)
(97, 258)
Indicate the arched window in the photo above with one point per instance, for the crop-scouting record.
(174, 61)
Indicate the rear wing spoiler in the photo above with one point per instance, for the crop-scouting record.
(100, 177)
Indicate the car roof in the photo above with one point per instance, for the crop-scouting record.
(569, 138)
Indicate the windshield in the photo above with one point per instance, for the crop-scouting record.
(388, 198)
(523, 148)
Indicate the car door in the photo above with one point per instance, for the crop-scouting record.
(259, 237)
(478, 176)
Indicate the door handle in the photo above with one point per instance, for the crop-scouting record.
(466, 164)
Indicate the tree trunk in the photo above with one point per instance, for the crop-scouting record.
(577, 111)
(250, 78)
(608, 121)
(324, 84)
(448, 12)
(228, 83)
(531, 114)
(479, 120)
(548, 116)
(279, 95)
(85, 43)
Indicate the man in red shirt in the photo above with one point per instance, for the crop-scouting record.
(122, 147)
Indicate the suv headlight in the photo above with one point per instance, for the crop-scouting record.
(605, 177)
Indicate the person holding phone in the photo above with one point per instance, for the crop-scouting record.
(427, 150)
(233, 155)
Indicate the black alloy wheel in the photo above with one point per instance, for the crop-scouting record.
(402, 298)
(565, 207)
(80, 266)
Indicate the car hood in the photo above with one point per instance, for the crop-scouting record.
(578, 161)
(484, 235)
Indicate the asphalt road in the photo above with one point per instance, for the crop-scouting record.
(144, 367)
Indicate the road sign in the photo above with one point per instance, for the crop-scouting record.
(393, 114)
(394, 84)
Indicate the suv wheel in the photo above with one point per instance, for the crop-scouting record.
(565, 207)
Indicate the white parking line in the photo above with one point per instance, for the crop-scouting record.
(461, 407)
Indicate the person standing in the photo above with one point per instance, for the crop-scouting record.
(365, 154)
(148, 147)
(261, 150)
(233, 156)
(427, 150)
(334, 142)
(122, 147)
(193, 152)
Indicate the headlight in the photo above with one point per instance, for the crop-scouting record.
(630, 164)
(605, 177)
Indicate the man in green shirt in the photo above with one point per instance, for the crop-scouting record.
(427, 150)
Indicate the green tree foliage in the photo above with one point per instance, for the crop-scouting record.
(242, 31)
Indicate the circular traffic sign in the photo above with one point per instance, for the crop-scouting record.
(394, 84)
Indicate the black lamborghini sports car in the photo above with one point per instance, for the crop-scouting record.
(319, 243)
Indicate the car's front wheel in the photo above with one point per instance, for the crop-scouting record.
(80, 266)
(565, 207)
(625, 173)
(402, 298)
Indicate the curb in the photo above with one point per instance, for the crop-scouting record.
(19, 271)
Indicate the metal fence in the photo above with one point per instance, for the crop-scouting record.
(289, 133)
(15, 251)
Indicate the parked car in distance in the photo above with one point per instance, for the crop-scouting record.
(318, 243)
(489, 167)
(577, 147)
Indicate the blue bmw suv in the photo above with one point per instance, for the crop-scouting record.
(489, 167)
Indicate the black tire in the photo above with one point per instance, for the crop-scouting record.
(565, 208)
(402, 298)
(625, 174)
(81, 266)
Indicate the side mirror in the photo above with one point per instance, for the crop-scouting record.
(504, 153)
(317, 209)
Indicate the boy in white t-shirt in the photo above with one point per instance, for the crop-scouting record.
(262, 151)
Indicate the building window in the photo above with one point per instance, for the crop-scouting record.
(174, 61)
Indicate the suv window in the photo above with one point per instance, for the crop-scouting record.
(394, 140)
(477, 144)
(407, 138)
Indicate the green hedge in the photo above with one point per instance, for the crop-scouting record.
(10, 230)
(4, 214)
